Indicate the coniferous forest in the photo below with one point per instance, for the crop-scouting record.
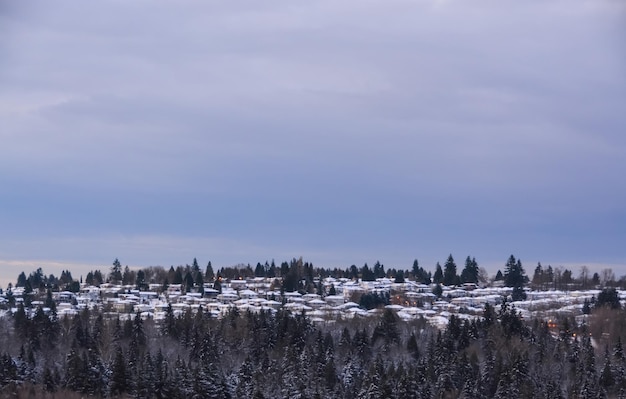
(284, 355)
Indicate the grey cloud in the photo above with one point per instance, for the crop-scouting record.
(396, 114)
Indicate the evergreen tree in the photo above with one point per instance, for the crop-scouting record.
(379, 270)
(49, 383)
(538, 276)
(75, 374)
(119, 378)
(116, 272)
(419, 274)
(438, 291)
(97, 277)
(178, 276)
(259, 270)
(200, 282)
(606, 375)
(21, 280)
(416, 270)
(217, 285)
(127, 276)
(438, 276)
(138, 338)
(195, 268)
(412, 347)
(189, 282)
(21, 323)
(515, 277)
(608, 297)
(470, 272)
(140, 281)
(387, 328)
(367, 274)
(89, 279)
(449, 272)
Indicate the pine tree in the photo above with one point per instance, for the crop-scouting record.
(75, 378)
(499, 276)
(449, 272)
(470, 272)
(21, 323)
(438, 291)
(160, 382)
(168, 327)
(245, 385)
(438, 276)
(606, 375)
(49, 383)
(116, 272)
(119, 377)
(608, 297)
(387, 329)
(412, 347)
(515, 277)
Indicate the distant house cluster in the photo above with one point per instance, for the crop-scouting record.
(348, 298)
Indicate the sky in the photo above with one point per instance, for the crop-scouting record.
(343, 131)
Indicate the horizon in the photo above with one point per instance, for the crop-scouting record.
(56, 268)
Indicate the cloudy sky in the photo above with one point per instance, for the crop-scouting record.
(341, 131)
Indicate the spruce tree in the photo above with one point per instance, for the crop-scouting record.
(470, 272)
(119, 377)
(449, 272)
(438, 276)
(515, 277)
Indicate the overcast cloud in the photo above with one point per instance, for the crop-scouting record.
(343, 131)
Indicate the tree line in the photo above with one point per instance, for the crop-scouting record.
(296, 274)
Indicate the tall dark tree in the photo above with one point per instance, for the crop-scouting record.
(387, 328)
(189, 282)
(515, 277)
(259, 270)
(354, 272)
(21, 280)
(608, 297)
(438, 276)
(271, 270)
(209, 274)
(438, 291)
(217, 285)
(97, 278)
(419, 274)
(49, 303)
(538, 276)
(379, 270)
(119, 376)
(178, 276)
(367, 274)
(116, 272)
(415, 270)
(200, 282)
(449, 272)
(140, 281)
(195, 268)
(127, 276)
(89, 278)
(470, 271)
